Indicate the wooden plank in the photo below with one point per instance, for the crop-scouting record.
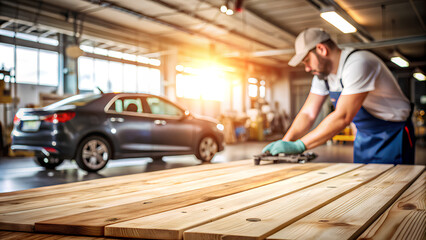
(260, 221)
(405, 219)
(93, 223)
(146, 183)
(172, 224)
(350, 215)
(25, 220)
(96, 183)
(4, 235)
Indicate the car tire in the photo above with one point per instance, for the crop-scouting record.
(207, 148)
(93, 154)
(48, 162)
(157, 158)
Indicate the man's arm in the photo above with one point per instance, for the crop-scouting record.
(346, 109)
(305, 118)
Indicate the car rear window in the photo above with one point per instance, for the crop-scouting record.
(127, 104)
(77, 100)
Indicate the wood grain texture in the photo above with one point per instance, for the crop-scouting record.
(350, 215)
(25, 220)
(114, 188)
(96, 183)
(260, 221)
(172, 224)
(92, 223)
(405, 219)
(4, 235)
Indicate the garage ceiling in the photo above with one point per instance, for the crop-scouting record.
(263, 32)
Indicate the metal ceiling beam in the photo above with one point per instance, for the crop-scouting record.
(6, 24)
(387, 43)
(359, 45)
(223, 27)
(48, 33)
(52, 18)
(419, 18)
(289, 37)
(112, 5)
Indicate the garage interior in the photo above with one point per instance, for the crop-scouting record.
(226, 60)
(228, 66)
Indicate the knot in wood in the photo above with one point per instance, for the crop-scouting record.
(253, 220)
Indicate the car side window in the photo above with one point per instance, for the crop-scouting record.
(161, 107)
(127, 104)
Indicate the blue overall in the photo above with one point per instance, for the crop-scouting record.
(380, 141)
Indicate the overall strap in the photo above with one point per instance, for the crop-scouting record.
(344, 62)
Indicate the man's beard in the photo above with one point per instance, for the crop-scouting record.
(323, 68)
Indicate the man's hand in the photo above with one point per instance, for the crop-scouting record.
(281, 146)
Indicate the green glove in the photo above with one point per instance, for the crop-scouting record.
(280, 146)
(269, 146)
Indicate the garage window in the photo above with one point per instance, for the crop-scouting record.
(26, 66)
(85, 69)
(48, 68)
(7, 57)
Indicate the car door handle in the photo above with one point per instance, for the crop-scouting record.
(160, 122)
(113, 119)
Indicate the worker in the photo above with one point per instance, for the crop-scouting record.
(362, 90)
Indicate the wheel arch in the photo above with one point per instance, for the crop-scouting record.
(203, 135)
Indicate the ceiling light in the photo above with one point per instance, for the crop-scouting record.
(229, 12)
(399, 60)
(223, 8)
(419, 75)
(336, 20)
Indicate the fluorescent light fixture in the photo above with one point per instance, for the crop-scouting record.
(399, 60)
(419, 75)
(336, 20)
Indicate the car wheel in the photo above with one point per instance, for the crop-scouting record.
(206, 149)
(48, 162)
(157, 158)
(93, 154)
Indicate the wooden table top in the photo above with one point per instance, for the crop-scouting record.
(235, 200)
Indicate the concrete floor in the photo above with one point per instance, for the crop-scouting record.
(22, 173)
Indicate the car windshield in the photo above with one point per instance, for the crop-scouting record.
(77, 100)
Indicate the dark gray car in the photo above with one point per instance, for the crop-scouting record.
(94, 128)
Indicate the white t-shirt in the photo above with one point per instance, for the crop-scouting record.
(365, 72)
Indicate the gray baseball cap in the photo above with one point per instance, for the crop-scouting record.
(306, 41)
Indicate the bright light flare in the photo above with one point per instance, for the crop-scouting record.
(339, 22)
(206, 84)
(223, 8)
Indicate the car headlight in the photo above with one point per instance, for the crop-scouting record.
(220, 127)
